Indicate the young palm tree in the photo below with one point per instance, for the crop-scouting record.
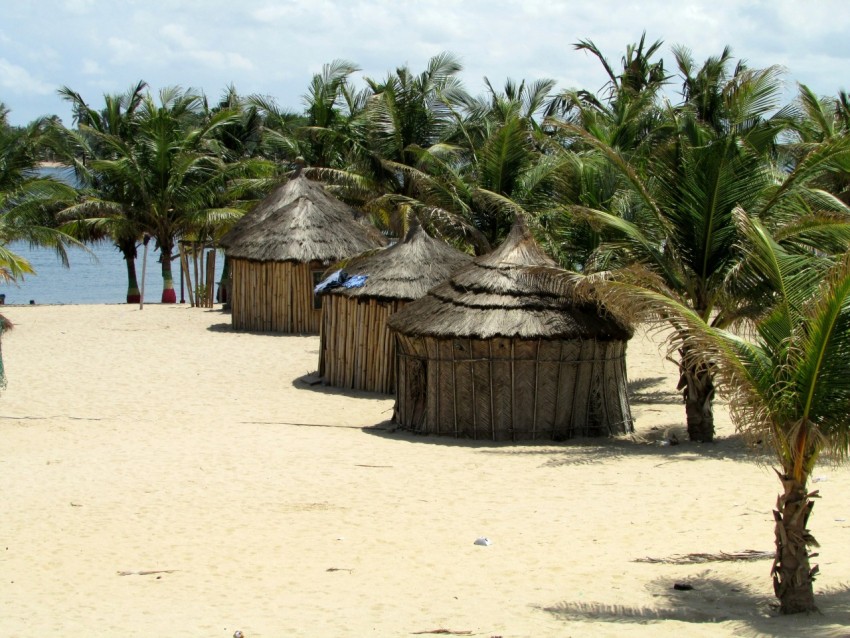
(492, 164)
(787, 382)
(815, 120)
(409, 113)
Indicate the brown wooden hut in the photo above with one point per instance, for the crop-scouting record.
(279, 251)
(493, 353)
(357, 349)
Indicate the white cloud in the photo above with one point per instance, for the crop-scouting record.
(221, 59)
(177, 35)
(91, 67)
(18, 80)
(274, 46)
(80, 7)
(122, 50)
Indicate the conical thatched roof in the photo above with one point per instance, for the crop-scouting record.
(300, 221)
(407, 270)
(496, 297)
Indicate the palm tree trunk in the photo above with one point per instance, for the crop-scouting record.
(128, 251)
(696, 381)
(793, 577)
(168, 293)
(133, 293)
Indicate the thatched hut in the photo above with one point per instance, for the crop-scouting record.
(357, 350)
(279, 251)
(493, 353)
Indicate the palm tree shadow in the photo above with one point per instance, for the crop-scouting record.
(647, 390)
(747, 608)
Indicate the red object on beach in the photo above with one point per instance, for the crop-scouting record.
(169, 295)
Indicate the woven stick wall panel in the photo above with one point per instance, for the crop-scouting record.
(524, 398)
(273, 297)
(619, 413)
(357, 350)
(464, 389)
(505, 389)
(581, 392)
(482, 419)
(445, 389)
(546, 391)
(502, 386)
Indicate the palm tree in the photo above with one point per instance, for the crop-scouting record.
(813, 121)
(787, 384)
(28, 199)
(170, 171)
(674, 217)
(491, 164)
(628, 116)
(639, 75)
(105, 211)
(407, 114)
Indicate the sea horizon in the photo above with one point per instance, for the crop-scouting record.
(95, 277)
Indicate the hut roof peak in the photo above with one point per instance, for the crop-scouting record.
(519, 249)
(406, 270)
(493, 297)
(300, 221)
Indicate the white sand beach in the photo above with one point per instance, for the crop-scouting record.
(162, 475)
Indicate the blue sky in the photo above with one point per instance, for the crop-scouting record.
(274, 47)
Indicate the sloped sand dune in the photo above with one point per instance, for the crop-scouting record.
(162, 475)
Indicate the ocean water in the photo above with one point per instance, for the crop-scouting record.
(97, 278)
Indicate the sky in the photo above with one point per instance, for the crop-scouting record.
(274, 47)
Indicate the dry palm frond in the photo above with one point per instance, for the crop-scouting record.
(688, 559)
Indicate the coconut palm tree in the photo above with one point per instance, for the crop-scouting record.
(170, 170)
(813, 121)
(381, 134)
(28, 199)
(491, 165)
(675, 217)
(626, 115)
(406, 114)
(786, 381)
(104, 211)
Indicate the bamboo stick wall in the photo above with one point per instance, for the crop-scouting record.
(512, 389)
(274, 296)
(357, 350)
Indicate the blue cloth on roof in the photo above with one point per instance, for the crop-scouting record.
(334, 280)
(355, 281)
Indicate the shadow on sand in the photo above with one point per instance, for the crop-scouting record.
(586, 451)
(653, 390)
(228, 328)
(716, 600)
(312, 383)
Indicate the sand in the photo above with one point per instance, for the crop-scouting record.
(162, 475)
